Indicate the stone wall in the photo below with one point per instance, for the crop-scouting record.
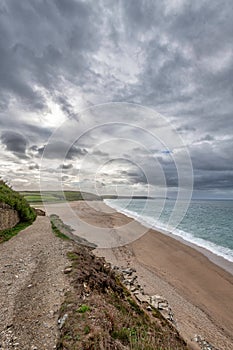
(8, 217)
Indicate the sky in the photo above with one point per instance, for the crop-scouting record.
(117, 96)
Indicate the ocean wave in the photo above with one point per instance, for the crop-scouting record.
(149, 222)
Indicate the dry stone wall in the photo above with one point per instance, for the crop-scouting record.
(8, 217)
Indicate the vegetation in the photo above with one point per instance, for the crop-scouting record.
(35, 197)
(5, 235)
(55, 222)
(17, 202)
(110, 318)
(83, 308)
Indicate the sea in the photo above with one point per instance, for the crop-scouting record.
(206, 224)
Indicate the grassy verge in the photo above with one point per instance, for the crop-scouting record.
(100, 313)
(66, 232)
(17, 202)
(5, 235)
(57, 232)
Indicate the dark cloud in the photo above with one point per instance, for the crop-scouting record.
(100, 153)
(59, 150)
(65, 178)
(15, 143)
(59, 56)
(33, 167)
(66, 166)
(212, 180)
(67, 108)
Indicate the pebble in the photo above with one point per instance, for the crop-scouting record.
(67, 270)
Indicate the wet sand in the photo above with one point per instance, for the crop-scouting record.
(199, 292)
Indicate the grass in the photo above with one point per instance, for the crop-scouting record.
(83, 308)
(110, 318)
(37, 197)
(16, 202)
(57, 232)
(5, 235)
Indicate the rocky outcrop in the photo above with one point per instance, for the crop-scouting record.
(129, 279)
(8, 217)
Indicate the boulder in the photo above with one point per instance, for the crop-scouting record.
(40, 212)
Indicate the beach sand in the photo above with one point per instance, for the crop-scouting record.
(200, 292)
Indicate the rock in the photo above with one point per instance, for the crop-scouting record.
(40, 212)
(128, 271)
(132, 280)
(62, 320)
(67, 270)
(142, 298)
(163, 305)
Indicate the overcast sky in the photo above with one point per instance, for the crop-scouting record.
(60, 57)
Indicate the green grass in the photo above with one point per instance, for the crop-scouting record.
(56, 196)
(5, 235)
(110, 318)
(57, 232)
(17, 202)
(83, 308)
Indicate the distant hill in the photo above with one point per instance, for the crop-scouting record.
(36, 197)
(112, 196)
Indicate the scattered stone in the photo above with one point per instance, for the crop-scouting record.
(68, 270)
(204, 344)
(62, 320)
(128, 271)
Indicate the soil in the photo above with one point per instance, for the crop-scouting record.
(32, 287)
(56, 294)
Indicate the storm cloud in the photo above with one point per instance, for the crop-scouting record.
(60, 57)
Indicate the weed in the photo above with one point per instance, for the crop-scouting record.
(5, 235)
(72, 256)
(86, 329)
(57, 232)
(83, 308)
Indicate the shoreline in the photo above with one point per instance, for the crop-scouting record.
(215, 258)
(199, 291)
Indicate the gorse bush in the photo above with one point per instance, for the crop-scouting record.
(17, 202)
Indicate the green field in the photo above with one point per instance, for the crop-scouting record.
(36, 197)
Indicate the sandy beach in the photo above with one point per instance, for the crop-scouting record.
(199, 291)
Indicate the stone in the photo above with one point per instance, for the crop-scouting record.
(67, 270)
(142, 298)
(128, 271)
(62, 320)
(40, 212)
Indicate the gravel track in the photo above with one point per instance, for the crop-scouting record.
(32, 287)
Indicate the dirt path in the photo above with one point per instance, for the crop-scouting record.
(32, 287)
